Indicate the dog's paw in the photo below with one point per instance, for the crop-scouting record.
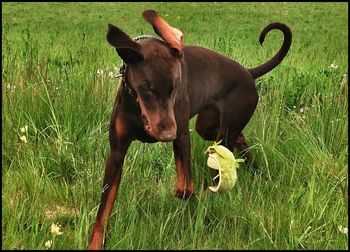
(97, 238)
(95, 245)
(184, 195)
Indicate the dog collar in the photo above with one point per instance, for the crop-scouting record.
(126, 86)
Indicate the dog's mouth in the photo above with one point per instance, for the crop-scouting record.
(147, 126)
(165, 135)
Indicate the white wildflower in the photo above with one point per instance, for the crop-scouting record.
(55, 229)
(343, 230)
(99, 72)
(301, 110)
(12, 88)
(110, 74)
(48, 244)
(23, 139)
(334, 66)
(24, 129)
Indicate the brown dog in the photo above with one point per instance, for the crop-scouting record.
(164, 85)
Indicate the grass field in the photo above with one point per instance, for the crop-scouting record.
(56, 66)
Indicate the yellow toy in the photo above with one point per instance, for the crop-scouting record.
(222, 159)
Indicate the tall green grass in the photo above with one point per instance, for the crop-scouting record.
(52, 58)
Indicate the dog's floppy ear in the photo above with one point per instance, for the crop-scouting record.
(172, 36)
(126, 47)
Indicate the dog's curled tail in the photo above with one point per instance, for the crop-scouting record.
(275, 60)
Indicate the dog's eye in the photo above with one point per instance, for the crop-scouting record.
(146, 93)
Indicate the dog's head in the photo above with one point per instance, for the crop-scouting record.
(154, 73)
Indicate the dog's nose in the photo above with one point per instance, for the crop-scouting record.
(168, 135)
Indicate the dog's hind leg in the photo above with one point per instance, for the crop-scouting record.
(242, 146)
(234, 116)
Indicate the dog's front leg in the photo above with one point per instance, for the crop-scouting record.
(182, 153)
(113, 172)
